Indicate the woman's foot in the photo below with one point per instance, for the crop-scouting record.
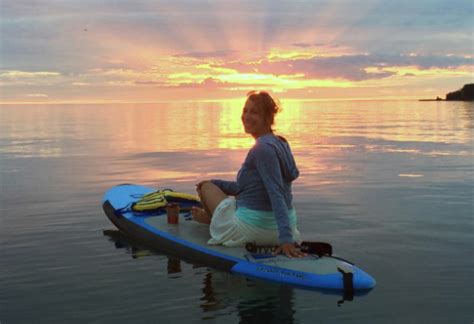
(200, 215)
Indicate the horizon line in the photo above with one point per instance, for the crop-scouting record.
(97, 102)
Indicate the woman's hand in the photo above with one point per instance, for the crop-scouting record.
(290, 250)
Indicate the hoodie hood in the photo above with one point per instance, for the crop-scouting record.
(287, 162)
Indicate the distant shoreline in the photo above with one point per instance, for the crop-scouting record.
(437, 99)
(466, 93)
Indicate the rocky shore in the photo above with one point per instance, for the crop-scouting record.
(464, 94)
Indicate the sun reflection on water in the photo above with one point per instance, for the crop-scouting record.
(323, 127)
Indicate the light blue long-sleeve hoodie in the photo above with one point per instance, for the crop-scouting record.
(264, 181)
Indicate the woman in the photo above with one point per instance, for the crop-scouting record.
(262, 209)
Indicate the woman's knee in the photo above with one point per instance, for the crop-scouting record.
(208, 186)
(204, 187)
(211, 195)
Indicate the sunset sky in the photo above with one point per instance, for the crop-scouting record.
(147, 51)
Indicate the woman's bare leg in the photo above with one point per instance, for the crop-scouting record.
(211, 196)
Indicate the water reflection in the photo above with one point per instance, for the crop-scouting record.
(279, 308)
(253, 300)
(121, 241)
(63, 130)
(174, 265)
(468, 113)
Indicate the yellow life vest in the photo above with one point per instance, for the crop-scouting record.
(159, 199)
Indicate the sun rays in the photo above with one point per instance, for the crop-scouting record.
(188, 50)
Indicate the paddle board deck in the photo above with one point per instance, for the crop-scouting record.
(188, 240)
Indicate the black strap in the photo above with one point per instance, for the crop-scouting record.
(348, 281)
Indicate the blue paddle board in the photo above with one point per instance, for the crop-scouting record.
(188, 240)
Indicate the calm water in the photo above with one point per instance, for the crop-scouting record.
(390, 184)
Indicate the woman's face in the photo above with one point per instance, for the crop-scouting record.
(253, 120)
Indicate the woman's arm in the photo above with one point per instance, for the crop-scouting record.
(230, 188)
(268, 167)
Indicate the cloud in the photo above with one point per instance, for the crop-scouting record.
(37, 95)
(15, 74)
(81, 84)
(210, 84)
(148, 82)
(29, 78)
(351, 67)
(312, 45)
(146, 45)
(302, 45)
(207, 55)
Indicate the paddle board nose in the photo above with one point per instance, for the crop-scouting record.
(362, 280)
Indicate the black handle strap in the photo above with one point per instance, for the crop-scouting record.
(348, 281)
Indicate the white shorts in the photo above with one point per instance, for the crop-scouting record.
(228, 230)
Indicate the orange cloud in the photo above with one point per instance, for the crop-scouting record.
(414, 70)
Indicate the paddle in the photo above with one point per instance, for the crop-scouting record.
(318, 248)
